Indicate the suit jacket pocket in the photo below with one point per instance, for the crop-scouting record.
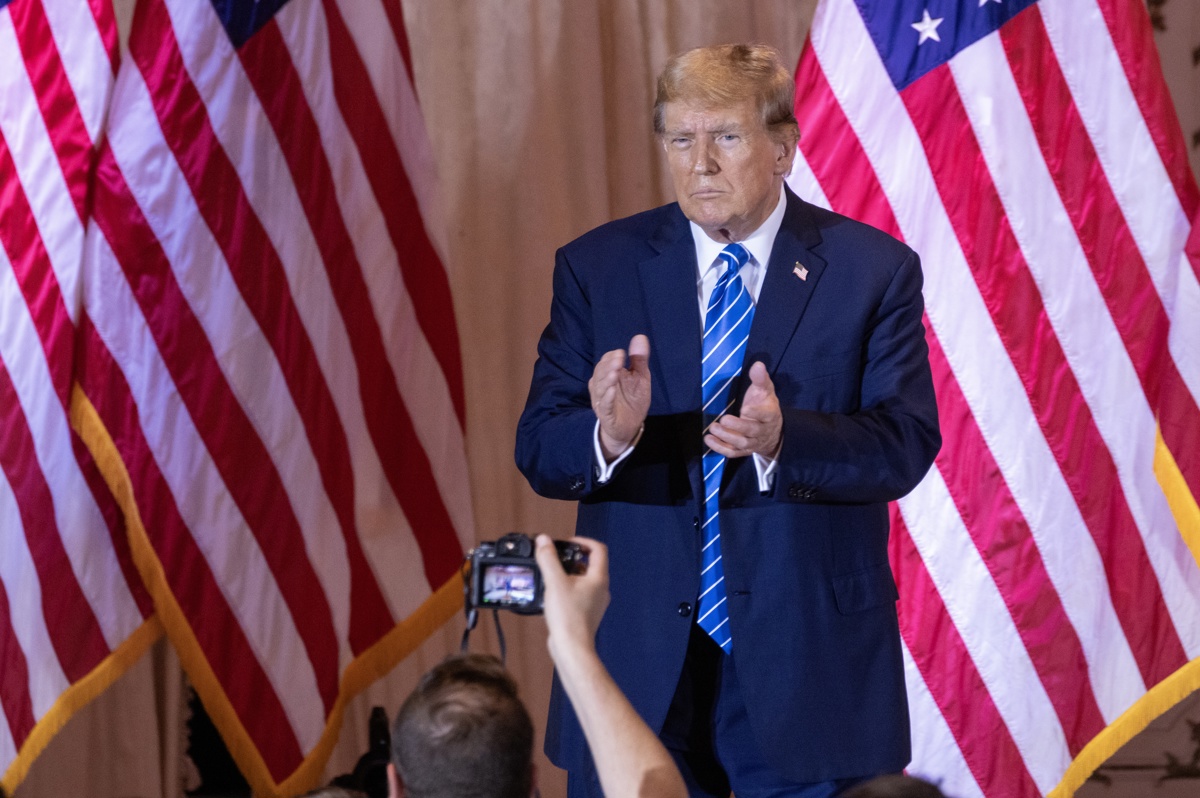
(862, 590)
(829, 383)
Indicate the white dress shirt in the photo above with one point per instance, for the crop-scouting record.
(758, 244)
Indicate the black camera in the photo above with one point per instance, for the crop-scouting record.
(505, 575)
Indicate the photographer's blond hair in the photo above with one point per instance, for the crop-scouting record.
(464, 732)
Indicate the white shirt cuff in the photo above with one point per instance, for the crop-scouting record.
(604, 471)
(766, 471)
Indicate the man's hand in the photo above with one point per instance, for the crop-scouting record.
(573, 605)
(621, 396)
(760, 426)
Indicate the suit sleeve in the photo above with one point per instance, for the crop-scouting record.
(554, 435)
(881, 451)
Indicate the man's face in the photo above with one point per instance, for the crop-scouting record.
(726, 167)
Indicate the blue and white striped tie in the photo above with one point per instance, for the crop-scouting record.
(726, 330)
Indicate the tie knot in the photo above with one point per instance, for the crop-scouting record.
(734, 257)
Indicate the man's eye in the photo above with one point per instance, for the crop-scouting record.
(680, 141)
(728, 138)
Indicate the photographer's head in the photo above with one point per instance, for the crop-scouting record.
(463, 733)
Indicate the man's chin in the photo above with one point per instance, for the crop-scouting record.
(706, 216)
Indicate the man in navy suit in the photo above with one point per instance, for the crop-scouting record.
(833, 417)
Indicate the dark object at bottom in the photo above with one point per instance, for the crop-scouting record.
(370, 773)
(219, 775)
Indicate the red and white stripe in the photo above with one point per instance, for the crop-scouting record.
(69, 597)
(285, 384)
(1045, 586)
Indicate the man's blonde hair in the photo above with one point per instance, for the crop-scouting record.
(727, 74)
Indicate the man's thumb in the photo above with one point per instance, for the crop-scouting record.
(639, 352)
(759, 375)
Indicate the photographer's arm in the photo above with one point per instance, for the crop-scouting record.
(629, 757)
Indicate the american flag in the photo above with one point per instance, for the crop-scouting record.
(267, 367)
(1049, 599)
(73, 611)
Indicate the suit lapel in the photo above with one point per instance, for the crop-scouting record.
(669, 285)
(785, 293)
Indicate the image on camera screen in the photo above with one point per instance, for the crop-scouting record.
(508, 584)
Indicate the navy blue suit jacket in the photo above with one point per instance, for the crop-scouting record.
(810, 593)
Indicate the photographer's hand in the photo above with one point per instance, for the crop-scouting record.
(573, 605)
(630, 759)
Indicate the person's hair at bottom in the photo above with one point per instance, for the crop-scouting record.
(894, 786)
(464, 732)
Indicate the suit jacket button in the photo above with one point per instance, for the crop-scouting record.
(576, 484)
(696, 522)
(795, 492)
(685, 610)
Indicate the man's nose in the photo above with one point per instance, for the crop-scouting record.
(703, 160)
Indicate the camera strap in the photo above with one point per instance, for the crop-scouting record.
(472, 614)
(472, 618)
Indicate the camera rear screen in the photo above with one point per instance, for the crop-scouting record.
(508, 585)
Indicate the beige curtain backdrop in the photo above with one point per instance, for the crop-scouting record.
(540, 117)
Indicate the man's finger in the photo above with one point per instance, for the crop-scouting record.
(730, 428)
(720, 447)
(608, 366)
(602, 379)
(761, 387)
(739, 424)
(639, 354)
(760, 403)
(729, 438)
(760, 376)
(612, 361)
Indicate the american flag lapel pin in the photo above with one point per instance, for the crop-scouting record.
(800, 271)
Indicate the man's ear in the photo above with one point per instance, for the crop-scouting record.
(786, 154)
(395, 785)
